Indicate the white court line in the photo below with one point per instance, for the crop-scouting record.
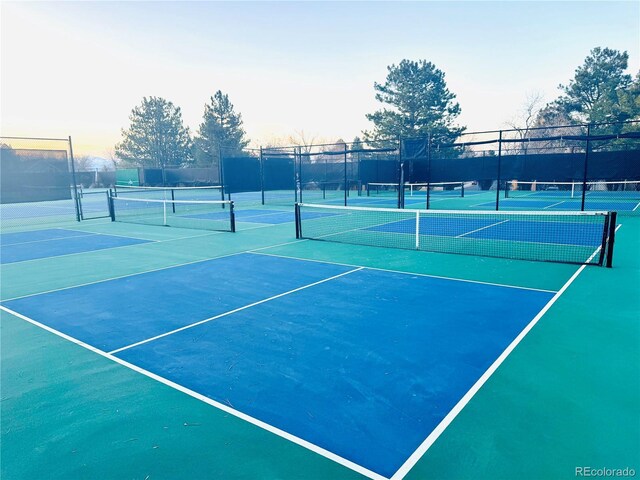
(215, 317)
(220, 406)
(446, 421)
(478, 229)
(255, 252)
(80, 253)
(145, 271)
(636, 207)
(554, 204)
(48, 239)
(145, 242)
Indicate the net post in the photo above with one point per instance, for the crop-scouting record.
(462, 190)
(603, 240)
(498, 175)
(298, 223)
(173, 198)
(417, 229)
(73, 177)
(586, 162)
(112, 211)
(612, 237)
(232, 217)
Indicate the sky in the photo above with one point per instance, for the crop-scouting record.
(78, 69)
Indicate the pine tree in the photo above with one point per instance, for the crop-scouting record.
(417, 102)
(220, 131)
(156, 136)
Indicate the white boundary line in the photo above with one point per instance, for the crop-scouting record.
(225, 408)
(48, 239)
(255, 252)
(141, 240)
(144, 241)
(148, 271)
(453, 413)
(215, 317)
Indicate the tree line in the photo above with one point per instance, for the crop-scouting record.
(415, 102)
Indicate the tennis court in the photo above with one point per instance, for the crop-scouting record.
(134, 350)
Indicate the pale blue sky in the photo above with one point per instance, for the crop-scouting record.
(78, 68)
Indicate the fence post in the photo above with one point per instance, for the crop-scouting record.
(428, 170)
(584, 176)
(261, 176)
(499, 167)
(346, 186)
(400, 175)
(75, 182)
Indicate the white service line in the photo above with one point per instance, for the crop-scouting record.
(206, 320)
(478, 229)
(454, 279)
(554, 204)
(225, 408)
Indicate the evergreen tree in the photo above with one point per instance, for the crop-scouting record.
(417, 102)
(156, 136)
(357, 144)
(595, 92)
(220, 130)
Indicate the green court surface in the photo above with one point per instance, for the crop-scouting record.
(567, 396)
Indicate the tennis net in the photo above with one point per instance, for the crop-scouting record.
(212, 192)
(563, 190)
(566, 237)
(196, 214)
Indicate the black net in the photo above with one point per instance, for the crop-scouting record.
(194, 214)
(567, 237)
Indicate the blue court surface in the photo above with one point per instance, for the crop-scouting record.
(367, 377)
(556, 204)
(513, 230)
(53, 242)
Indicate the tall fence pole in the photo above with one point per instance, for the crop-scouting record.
(499, 179)
(346, 183)
(585, 173)
(75, 183)
(428, 170)
(261, 177)
(400, 175)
